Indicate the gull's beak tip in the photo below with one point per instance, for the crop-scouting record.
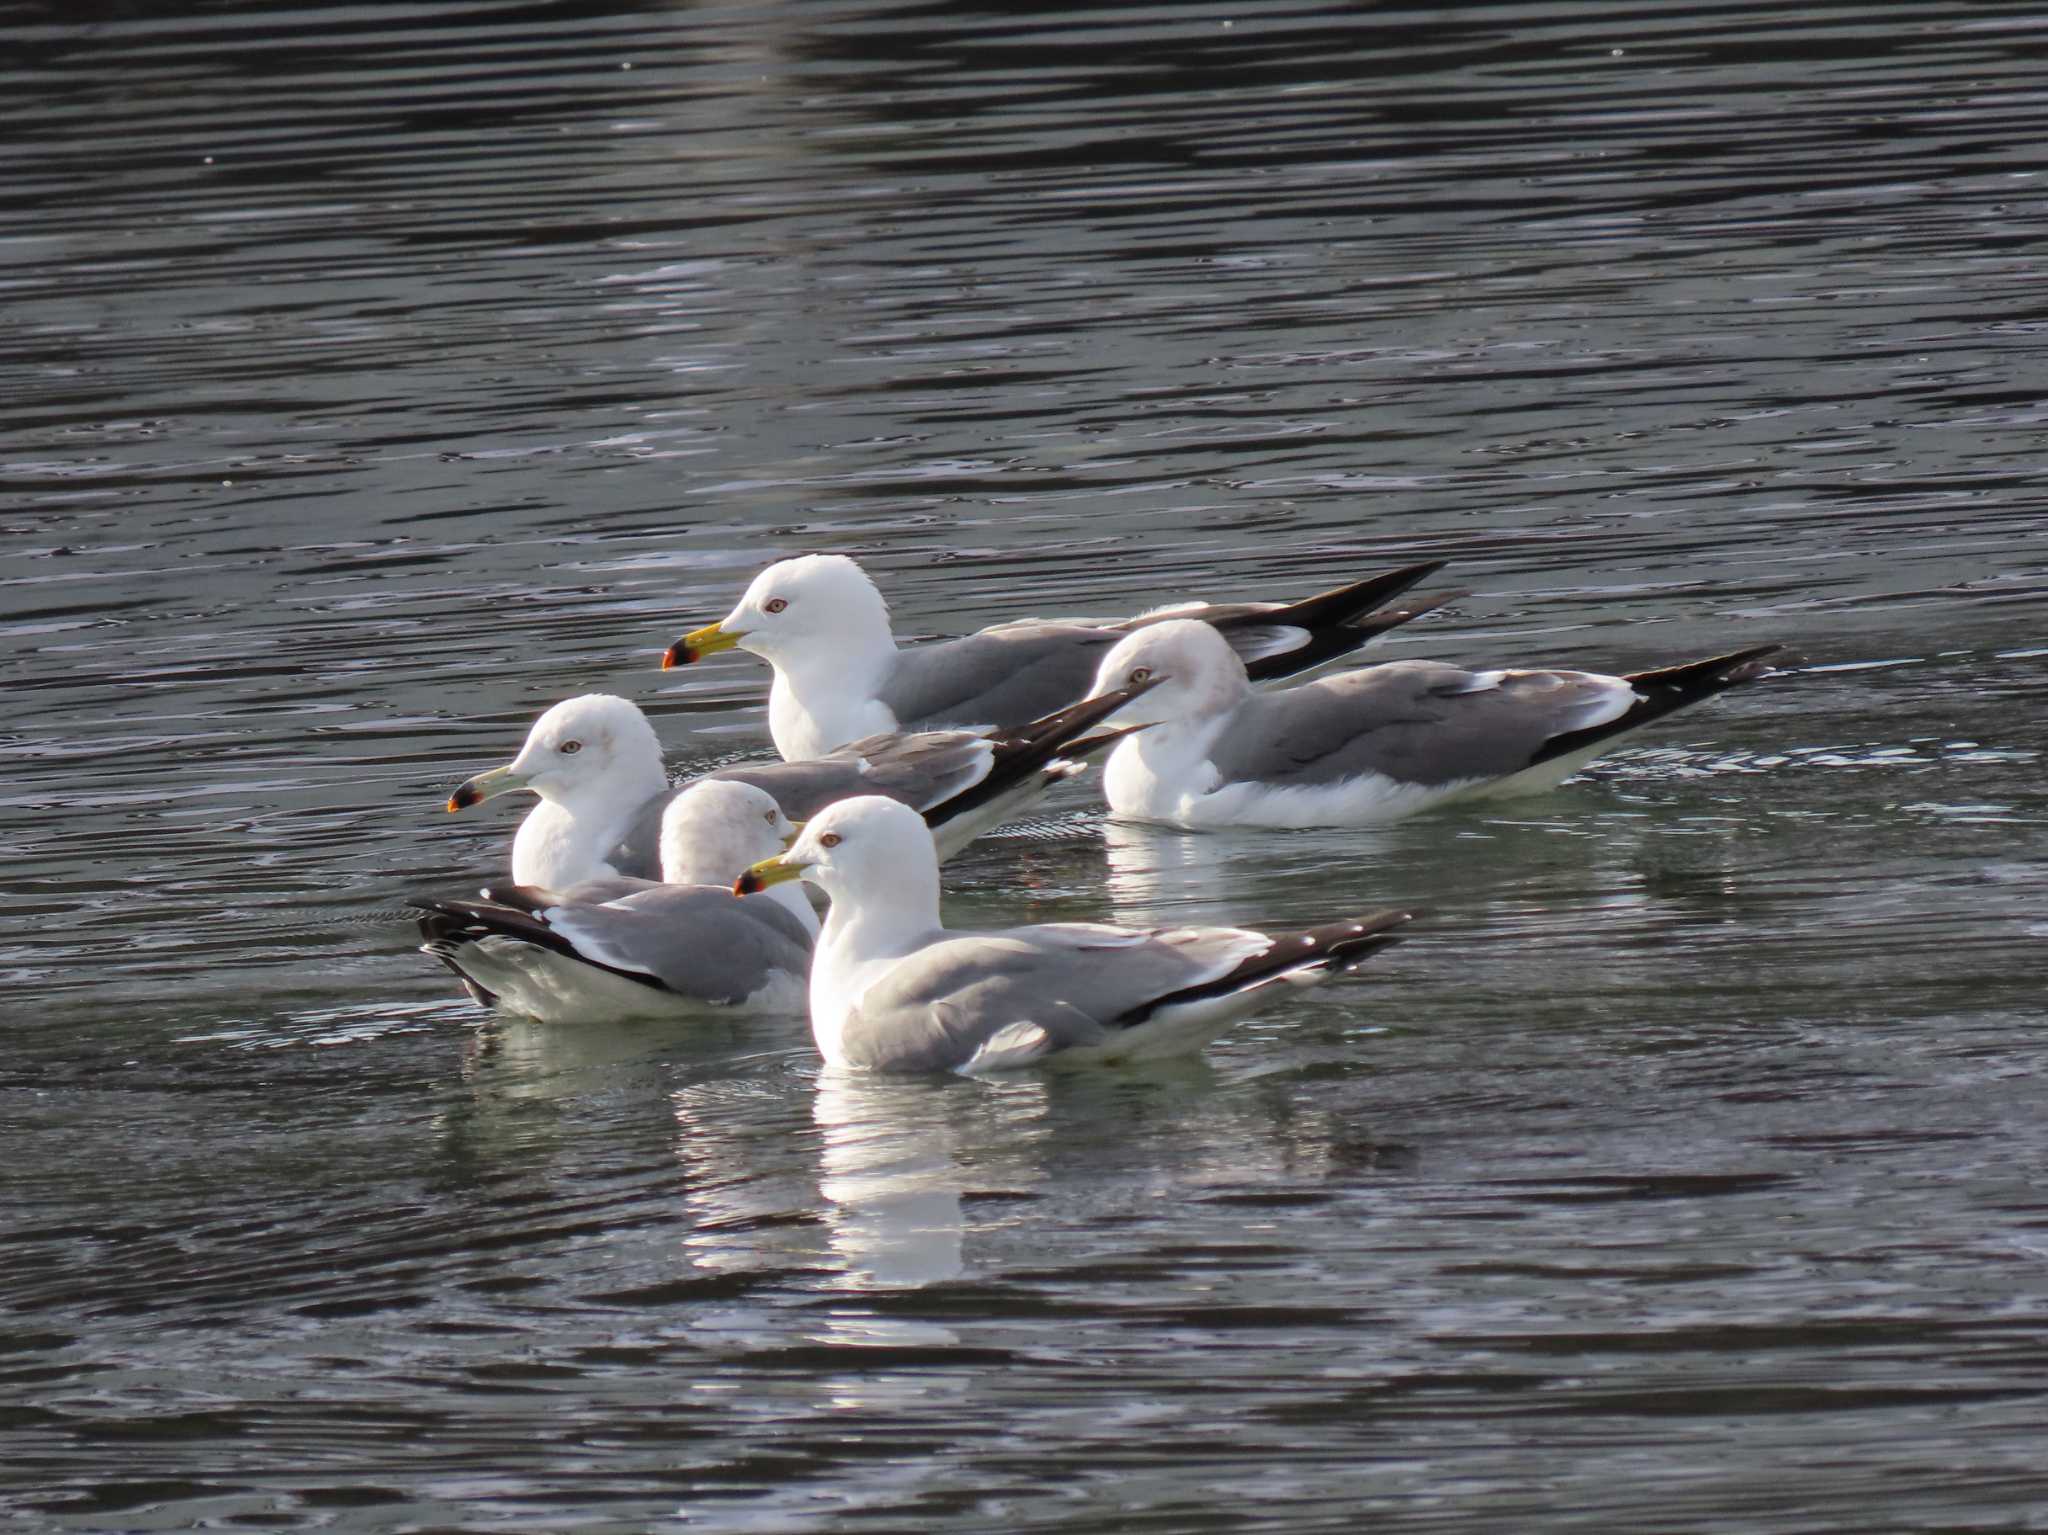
(476, 790)
(759, 876)
(698, 644)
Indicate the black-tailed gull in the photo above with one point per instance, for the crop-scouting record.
(821, 623)
(597, 766)
(893, 990)
(631, 948)
(1369, 745)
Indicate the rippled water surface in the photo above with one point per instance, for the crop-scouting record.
(379, 374)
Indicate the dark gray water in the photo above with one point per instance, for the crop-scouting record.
(376, 375)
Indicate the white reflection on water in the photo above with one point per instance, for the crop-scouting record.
(890, 1182)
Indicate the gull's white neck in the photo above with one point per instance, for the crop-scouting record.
(825, 697)
(1152, 775)
(562, 841)
(864, 934)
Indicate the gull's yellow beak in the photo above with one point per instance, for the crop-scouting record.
(769, 871)
(484, 785)
(698, 644)
(796, 830)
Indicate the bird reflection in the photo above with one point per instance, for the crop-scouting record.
(749, 1184)
(1160, 867)
(890, 1171)
(520, 1057)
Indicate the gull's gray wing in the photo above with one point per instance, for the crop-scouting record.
(534, 898)
(694, 941)
(919, 770)
(1418, 722)
(1029, 992)
(1016, 672)
(1001, 677)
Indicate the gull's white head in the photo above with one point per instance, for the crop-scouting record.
(714, 829)
(584, 752)
(812, 603)
(1193, 670)
(861, 845)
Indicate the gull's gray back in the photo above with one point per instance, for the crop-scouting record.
(1419, 722)
(1075, 981)
(918, 770)
(1002, 677)
(697, 940)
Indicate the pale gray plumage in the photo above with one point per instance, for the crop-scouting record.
(696, 940)
(962, 782)
(619, 948)
(615, 946)
(921, 770)
(1075, 985)
(839, 674)
(996, 677)
(892, 990)
(1418, 722)
(1368, 745)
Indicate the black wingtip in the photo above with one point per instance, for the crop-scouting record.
(454, 923)
(1665, 691)
(1380, 620)
(1342, 619)
(1333, 946)
(1703, 678)
(1026, 749)
(1349, 943)
(1344, 604)
(1064, 725)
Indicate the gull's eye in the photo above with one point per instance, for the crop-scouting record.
(770, 816)
(570, 748)
(1140, 673)
(830, 839)
(775, 604)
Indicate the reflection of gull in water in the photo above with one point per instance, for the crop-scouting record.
(889, 1181)
(532, 1089)
(882, 1204)
(896, 1159)
(1157, 874)
(1152, 869)
(748, 1183)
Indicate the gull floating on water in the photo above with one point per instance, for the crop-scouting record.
(893, 990)
(597, 766)
(1369, 745)
(632, 948)
(820, 622)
